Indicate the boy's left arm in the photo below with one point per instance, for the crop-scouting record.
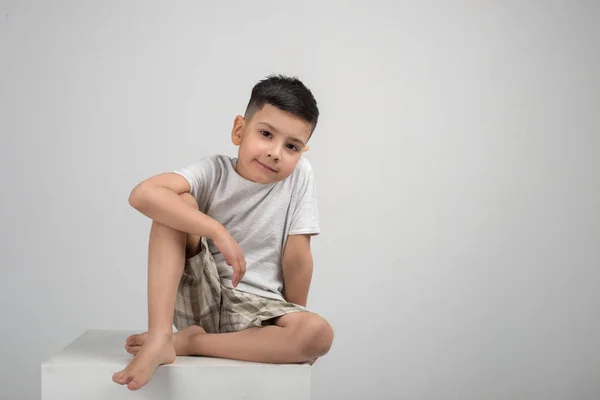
(297, 269)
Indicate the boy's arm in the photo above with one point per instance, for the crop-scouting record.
(159, 199)
(297, 269)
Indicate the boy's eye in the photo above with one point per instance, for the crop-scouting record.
(292, 147)
(266, 134)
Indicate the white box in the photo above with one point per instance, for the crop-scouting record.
(83, 371)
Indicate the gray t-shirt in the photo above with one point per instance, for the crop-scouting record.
(258, 216)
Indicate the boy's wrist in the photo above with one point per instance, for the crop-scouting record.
(217, 230)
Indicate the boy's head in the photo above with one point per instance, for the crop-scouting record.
(272, 135)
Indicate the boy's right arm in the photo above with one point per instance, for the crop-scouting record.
(159, 198)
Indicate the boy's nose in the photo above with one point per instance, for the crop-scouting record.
(274, 154)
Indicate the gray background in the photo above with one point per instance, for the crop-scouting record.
(456, 161)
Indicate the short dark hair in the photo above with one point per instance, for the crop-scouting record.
(286, 93)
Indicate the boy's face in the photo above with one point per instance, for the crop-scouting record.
(270, 144)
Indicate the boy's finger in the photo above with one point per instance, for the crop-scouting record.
(235, 276)
(242, 265)
(240, 273)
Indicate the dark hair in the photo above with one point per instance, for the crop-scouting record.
(286, 93)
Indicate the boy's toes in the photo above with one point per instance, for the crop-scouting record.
(127, 379)
(135, 384)
(118, 377)
(133, 349)
(123, 377)
(136, 340)
(129, 340)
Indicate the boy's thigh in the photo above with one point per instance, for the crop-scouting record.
(301, 318)
(240, 310)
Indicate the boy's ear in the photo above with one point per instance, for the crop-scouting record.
(305, 149)
(236, 132)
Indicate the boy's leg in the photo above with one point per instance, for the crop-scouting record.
(166, 258)
(296, 337)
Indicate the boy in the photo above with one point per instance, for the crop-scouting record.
(229, 260)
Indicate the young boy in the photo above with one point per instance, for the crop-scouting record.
(229, 261)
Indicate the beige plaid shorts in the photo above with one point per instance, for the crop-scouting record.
(202, 300)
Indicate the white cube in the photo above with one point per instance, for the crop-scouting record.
(83, 371)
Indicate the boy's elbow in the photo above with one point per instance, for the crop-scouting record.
(146, 192)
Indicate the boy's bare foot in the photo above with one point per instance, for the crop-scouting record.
(135, 343)
(156, 350)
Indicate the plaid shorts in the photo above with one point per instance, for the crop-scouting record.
(202, 300)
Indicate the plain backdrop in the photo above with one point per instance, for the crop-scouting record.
(457, 163)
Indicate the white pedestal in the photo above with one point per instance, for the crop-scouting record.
(83, 371)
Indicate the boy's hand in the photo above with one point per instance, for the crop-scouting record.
(234, 257)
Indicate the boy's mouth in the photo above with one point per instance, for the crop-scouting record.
(266, 166)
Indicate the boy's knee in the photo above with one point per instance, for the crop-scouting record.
(316, 337)
(324, 337)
